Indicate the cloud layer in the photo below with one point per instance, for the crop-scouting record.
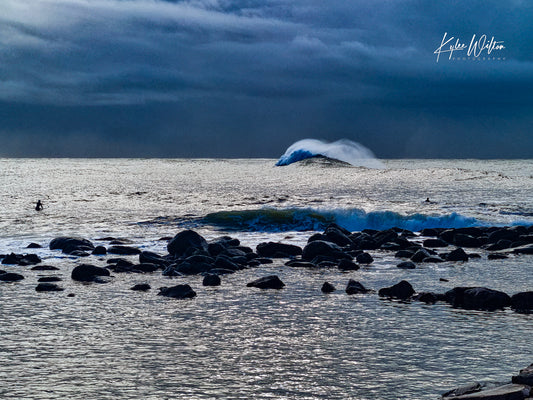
(129, 77)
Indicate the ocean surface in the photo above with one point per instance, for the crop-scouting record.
(234, 342)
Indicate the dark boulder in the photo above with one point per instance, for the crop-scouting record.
(404, 254)
(214, 249)
(226, 263)
(300, 264)
(211, 280)
(34, 246)
(48, 287)
(88, 273)
(99, 251)
(504, 233)
(462, 390)
(522, 302)
(434, 243)
(364, 258)
(433, 259)
(186, 241)
(21, 259)
(44, 268)
(148, 257)
(354, 287)
(145, 268)
(420, 255)
(11, 277)
(70, 244)
(426, 297)
(429, 232)
(477, 298)
(267, 282)
(193, 268)
(527, 249)
(124, 250)
(497, 256)
(142, 287)
(322, 248)
(382, 237)
(327, 288)
(406, 265)
(464, 240)
(273, 249)
(49, 279)
(347, 265)
(337, 235)
(457, 255)
(525, 377)
(402, 290)
(177, 292)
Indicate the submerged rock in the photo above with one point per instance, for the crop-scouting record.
(327, 288)
(44, 268)
(88, 273)
(280, 250)
(347, 265)
(11, 277)
(124, 250)
(402, 290)
(522, 302)
(406, 265)
(49, 279)
(267, 282)
(177, 292)
(505, 392)
(211, 280)
(465, 389)
(354, 287)
(477, 298)
(70, 244)
(48, 287)
(142, 287)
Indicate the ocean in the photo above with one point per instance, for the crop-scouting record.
(235, 342)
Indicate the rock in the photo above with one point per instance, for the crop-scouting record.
(327, 288)
(267, 282)
(347, 265)
(177, 292)
(354, 287)
(526, 249)
(300, 264)
(427, 297)
(466, 389)
(522, 302)
(211, 280)
(429, 232)
(506, 392)
(99, 251)
(406, 265)
(433, 259)
(420, 255)
(336, 234)
(402, 290)
(457, 255)
(193, 268)
(11, 277)
(49, 279)
(404, 254)
(364, 258)
(280, 250)
(225, 263)
(34, 246)
(323, 248)
(148, 257)
(21, 259)
(145, 268)
(186, 241)
(143, 287)
(497, 256)
(124, 250)
(464, 240)
(44, 268)
(88, 273)
(434, 243)
(69, 244)
(525, 377)
(48, 287)
(78, 253)
(504, 233)
(477, 298)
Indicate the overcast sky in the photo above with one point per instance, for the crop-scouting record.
(223, 78)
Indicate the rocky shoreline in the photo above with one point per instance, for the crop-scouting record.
(191, 254)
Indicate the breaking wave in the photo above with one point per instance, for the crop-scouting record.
(342, 150)
(308, 219)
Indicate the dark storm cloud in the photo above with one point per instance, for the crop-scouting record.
(246, 78)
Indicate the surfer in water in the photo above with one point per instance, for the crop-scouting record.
(38, 206)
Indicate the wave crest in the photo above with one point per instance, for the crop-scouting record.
(343, 150)
(308, 219)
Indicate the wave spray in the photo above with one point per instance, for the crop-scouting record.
(342, 150)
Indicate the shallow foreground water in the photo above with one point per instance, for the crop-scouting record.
(238, 342)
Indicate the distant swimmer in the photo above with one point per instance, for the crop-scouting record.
(427, 200)
(38, 206)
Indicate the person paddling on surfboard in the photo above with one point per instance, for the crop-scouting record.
(38, 206)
